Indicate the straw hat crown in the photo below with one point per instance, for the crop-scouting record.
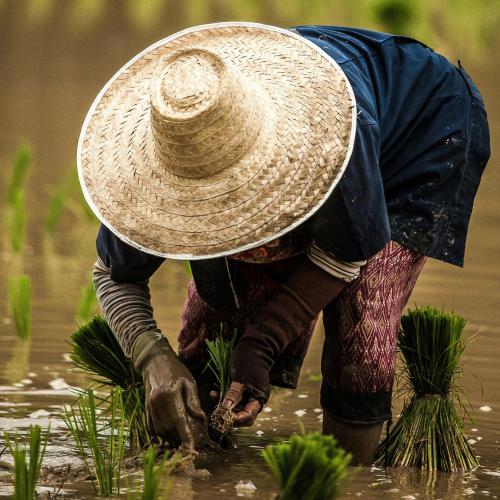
(216, 139)
(203, 118)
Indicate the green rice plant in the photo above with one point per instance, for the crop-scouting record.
(87, 303)
(20, 166)
(28, 460)
(55, 208)
(308, 467)
(429, 433)
(220, 423)
(156, 475)
(19, 290)
(135, 412)
(16, 222)
(105, 441)
(95, 350)
(219, 351)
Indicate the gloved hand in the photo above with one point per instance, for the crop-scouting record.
(295, 305)
(172, 406)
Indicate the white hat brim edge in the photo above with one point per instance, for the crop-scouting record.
(165, 40)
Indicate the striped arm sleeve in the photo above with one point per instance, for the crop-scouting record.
(126, 307)
(346, 271)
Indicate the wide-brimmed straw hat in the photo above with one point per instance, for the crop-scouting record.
(216, 139)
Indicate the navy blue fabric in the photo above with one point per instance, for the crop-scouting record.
(421, 145)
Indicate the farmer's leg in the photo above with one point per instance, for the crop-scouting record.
(359, 354)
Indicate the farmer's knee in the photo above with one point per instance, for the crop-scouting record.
(356, 407)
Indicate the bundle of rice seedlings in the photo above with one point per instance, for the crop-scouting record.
(308, 467)
(430, 431)
(106, 440)
(95, 350)
(27, 462)
(221, 421)
(19, 290)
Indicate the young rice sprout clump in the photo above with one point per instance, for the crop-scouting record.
(430, 431)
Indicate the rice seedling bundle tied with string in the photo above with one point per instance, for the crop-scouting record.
(429, 433)
(95, 350)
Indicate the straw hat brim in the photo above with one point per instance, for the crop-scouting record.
(296, 160)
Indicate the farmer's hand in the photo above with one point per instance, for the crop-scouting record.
(293, 307)
(172, 406)
(246, 416)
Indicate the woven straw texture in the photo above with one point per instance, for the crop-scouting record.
(215, 140)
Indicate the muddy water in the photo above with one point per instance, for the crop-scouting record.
(54, 59)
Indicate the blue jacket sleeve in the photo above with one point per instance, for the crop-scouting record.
(128, 264)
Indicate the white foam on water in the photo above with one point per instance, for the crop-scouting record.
(245, 488)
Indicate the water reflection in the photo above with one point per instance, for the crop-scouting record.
(17, 367)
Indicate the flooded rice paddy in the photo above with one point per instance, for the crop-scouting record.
(49, 77)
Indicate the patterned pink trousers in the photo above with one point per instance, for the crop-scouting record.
(361, 326)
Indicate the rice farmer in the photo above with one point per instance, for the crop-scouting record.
(300, 171)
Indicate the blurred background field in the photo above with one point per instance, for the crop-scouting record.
(55, 56)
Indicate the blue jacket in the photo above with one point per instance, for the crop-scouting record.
(421, 145)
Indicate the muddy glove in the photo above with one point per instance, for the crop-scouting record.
(295, 305)
(172, 406)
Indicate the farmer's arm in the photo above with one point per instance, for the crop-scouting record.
(314, 283)
(172, 404)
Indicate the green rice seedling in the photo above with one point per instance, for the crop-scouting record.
(55, 208)
(105, 441)
(429, 433)
(28, 460)
(219, 350)
(135, 412)
(16, 222)
(156, 475)
(20, 166)
(308, 467)
(95, 350)
(87, 303)
(19, 290)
